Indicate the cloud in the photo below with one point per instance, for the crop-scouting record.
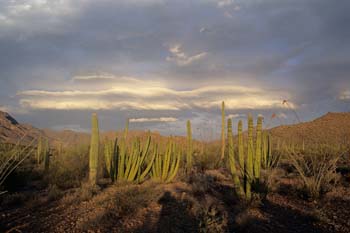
(224, 3)
(181, 58)
(74, 127)
(158, 119)
(236, 116)
(54, 52)
(345, 95)
(131, 93)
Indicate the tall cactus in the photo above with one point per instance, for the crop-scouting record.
(39, 151)
(189, 147)
(132, 166)
(249, 161)
(258, 149)
(94, 150)
(223, 130)
(165, 167)
(46, 154)
(240, 146)
(111, 155)
(231, 155)
(265, 145)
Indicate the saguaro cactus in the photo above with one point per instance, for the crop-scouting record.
(258, 149)
(94, 150)
(231, 155)
(223, 130)
(189, 147)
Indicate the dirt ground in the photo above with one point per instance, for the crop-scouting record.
(204, 203)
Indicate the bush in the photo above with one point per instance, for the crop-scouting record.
(317, 169)
(70, 168)
(209, 158)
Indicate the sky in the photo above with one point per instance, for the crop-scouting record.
(160, 63)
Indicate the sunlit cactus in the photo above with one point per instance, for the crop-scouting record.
(46, 156)
(94, 150)
(111, 155)
(231, 155)
(241, 156)
(249, 161)
(258, 149)
(223, 145)
(189, 147)
(166, 166)
(132, 165)
(39, 152)
(265, 146)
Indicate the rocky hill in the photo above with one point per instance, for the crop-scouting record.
(11, 131)
(332, 128)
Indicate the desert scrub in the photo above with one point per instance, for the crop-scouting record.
(54, 193)
(317, 169)
(207, 158)
(69, 169)
(212, 220)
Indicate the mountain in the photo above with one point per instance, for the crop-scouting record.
(332, 128)
(11, 131)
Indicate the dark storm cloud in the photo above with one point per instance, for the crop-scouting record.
(294, 49)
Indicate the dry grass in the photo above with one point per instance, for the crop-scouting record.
(317, 169)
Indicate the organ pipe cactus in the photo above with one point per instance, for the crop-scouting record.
(249, 160)
(166, 166)
(232, 162)
(189, 147)
(132, 165)
(94, 150)
(258, 149)
(240, 147)
(111, 155)
(39, 151)
(46, 156)
(223, 145)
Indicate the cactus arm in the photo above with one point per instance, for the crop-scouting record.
(149, 166)
(173, 174)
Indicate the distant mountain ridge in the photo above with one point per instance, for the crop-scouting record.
(11, 131)
(330, 128)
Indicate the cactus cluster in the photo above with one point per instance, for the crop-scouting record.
(135, 162)
(166, 165)
(258, 154)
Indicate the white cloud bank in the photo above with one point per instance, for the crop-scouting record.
(130, 93)
(345, 95)
(159, 119)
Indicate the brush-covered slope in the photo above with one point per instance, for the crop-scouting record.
(11, 131)
(332, 128)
